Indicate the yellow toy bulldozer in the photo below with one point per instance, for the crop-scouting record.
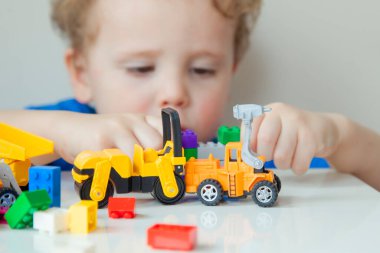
(17, 147)
(97, 174)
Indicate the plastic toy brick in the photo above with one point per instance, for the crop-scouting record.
(216, 149)
(228, 134)
(121, 208)
(83, 217)
(191, 152)
(20, 215)
(52, 220)
(3, 210)
(48, 178)
(172, 237)
(189, 139)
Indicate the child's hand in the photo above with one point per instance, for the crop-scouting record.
(78, 132)
(292, 137)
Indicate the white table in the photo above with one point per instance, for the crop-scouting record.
(323, 211)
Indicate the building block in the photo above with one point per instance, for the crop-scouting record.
(172, 237)
(189, 139)
(216, 149)
(20, 215)
(121, 208)
(3, 210)
(48, 178)
(228, 134)
(52, 220)
(191, 152)
(83, 217)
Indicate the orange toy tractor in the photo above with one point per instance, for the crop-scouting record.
(243, 172)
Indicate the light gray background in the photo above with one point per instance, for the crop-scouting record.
(320, 55)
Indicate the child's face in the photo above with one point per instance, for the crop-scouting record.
(150, 54)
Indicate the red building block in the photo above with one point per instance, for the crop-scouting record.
(121, 208)
(172, 237)
(3, 210)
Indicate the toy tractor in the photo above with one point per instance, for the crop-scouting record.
(243, 172)
(98, 174)
(17, 147)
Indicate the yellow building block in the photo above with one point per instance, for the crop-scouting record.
(83, 217)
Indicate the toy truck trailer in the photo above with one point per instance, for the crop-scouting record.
(17, 147)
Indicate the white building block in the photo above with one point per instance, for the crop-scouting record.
(216, 149)
(52, 220)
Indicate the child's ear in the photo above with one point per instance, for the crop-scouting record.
(76, 66)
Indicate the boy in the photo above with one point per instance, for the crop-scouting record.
(131, 58)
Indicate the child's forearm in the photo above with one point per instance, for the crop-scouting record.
(358, 152)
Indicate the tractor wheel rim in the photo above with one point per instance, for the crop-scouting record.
(264, 194)
(209, 192)
(7, 200)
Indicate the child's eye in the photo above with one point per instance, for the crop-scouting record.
(203, 71)
(141, 70)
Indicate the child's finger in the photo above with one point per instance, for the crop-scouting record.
(286, 146)
(255, 130)
(125, 141)
(155, 122)
(303, 154)
(270, 130)
(147, 136)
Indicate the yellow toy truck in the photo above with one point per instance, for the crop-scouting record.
(98, 174)
(243, 172)
(17, 147)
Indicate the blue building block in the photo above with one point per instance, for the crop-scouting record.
(48, 178)
(316, 163)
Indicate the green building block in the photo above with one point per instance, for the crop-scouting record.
(191, 152)
(228, 134)
(20, 215)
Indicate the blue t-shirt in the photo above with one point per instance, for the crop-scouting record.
(65, 105)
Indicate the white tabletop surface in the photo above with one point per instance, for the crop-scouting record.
(323, 211)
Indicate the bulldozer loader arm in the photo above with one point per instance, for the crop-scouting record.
(100, 181)
(166, 176)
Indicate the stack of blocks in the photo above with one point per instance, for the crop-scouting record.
(190, 144)
(48, 178)
(20, 215)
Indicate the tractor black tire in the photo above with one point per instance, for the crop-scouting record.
(85, 189)
(7, 197)
(265, 193)
(160, 196)
(210, 192)
(277, 182)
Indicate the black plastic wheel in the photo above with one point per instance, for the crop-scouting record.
(85, 189)
(7, 197)
(160, 196)
(264, 193)
(278, 182)
(210, 192)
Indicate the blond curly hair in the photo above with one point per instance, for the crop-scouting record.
(71, 19)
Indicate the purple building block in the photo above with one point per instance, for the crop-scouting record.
(189, 139)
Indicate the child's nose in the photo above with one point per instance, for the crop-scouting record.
(173, 95)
